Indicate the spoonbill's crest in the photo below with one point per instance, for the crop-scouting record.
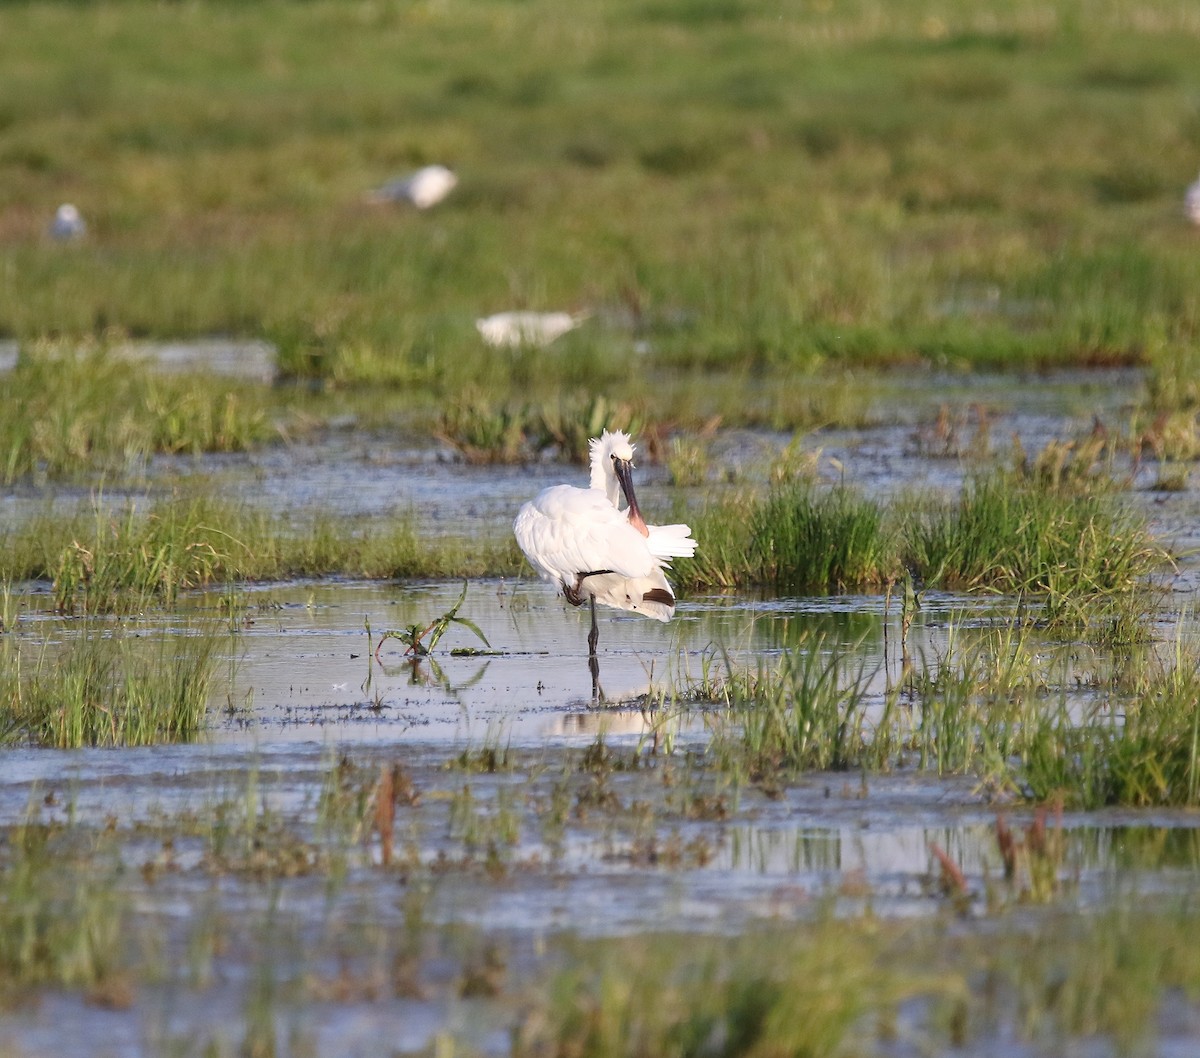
(514, 329)
(68, 223)
(424, 188)
(593, 550)
(1191, 202)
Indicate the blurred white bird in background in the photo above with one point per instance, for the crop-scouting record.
(514, 329)
(1191, 203)
(67, 224)
(582, 541)
(424, 188)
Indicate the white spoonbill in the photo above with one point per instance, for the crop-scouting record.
(514, 329)
(1191, 203)
(582, 541)
(424, 188)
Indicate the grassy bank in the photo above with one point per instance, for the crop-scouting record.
(78, 411)
(772, 187)
(1076, 550)
(1068, 544)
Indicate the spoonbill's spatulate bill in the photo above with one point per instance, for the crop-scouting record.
(584, 542)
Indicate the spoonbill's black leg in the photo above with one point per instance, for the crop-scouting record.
(594, 634)
(593, 661)
(594, 669)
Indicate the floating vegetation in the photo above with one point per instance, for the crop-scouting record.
(413, 637)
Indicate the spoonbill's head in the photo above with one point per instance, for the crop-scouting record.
(605, 450)
(612, 470)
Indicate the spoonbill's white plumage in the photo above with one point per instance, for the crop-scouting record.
(424, 188)
(1191, 203)
(514, 329)
(582, 541)
(67, 224)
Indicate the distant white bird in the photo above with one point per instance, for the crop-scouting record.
(68, 223)
(514, 329)
(1191, 203)
(424, 188)
(582, 541)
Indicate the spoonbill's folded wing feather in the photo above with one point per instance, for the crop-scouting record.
(566, 531)
(670, 541)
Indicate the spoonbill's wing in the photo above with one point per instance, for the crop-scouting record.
(565, 531)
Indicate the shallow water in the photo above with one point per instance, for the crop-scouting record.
(664, 845)
(305, 689)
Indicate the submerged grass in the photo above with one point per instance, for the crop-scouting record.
(999, 703)
(807, 992)
(95, 908)
(62, 917)
(1140, 749)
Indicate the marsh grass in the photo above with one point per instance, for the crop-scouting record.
(844, 985)
(62, 915)
(781, 188)
(107, 558)
(808, 539)
(105, 685)
(1074, 551)
(1068, 544)
(72, 411)
(1003, 703)
(1140, 749)
(800, 537)
(1061, 538)
(483, 432)
(805, 992)
(807, 712)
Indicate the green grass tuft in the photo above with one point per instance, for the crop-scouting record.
(104, 686)
(73, 411)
